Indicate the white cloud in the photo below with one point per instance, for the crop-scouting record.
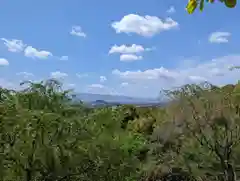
(171, 10)
(77, 31)
(81, 75)
(14, 45)
(4, 62)
(103, 79)
(34, 53)
(153, 74)
(58, 75)
(219, 37)
(216, 71)
(129, 53)
(64, 58)
(143, 25)
(25, 74)
(124, 49)
(130, 57)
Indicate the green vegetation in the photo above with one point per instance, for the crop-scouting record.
(193, 4)
(47, 137)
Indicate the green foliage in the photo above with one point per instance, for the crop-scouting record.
(45, 135)
(193, 4)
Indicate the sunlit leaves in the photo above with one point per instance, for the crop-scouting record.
(193, 4)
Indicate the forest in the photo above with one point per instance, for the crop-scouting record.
(46, 136)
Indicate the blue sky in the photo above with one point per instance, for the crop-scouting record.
(133, 48)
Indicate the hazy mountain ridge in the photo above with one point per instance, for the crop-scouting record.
(114, 99)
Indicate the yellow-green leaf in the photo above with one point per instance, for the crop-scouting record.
(191, 6)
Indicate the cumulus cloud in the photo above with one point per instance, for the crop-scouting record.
(103, 79)
(14, 45)
(171, 10)
(34, 53)
(216, 71)
(125, 49)
(219, 37)
(58, 75)
(3, 62)
(147, 26)
(146, 74)
(130, 57)
(129, 53)
(77, 31)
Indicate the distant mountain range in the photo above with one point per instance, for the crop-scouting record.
(100, 99)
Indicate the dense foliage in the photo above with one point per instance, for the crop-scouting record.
(46, 136)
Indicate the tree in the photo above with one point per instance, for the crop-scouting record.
(193, 4)
(211, 118)
(43, 136)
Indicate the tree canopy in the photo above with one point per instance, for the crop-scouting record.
(47, 135)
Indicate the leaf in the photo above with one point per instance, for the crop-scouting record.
(201, 5)
(191, 6)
